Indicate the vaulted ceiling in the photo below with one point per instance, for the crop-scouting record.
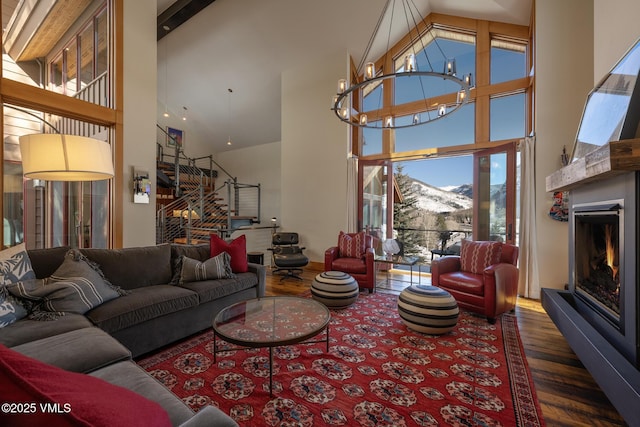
(246, 45)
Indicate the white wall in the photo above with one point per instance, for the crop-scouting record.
(564, 77)
(314, 155)
(140, 73)
(615, 30)
(256, 165)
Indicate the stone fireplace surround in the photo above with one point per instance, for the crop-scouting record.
(612, 356)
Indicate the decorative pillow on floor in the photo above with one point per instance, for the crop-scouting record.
(74, 399)
(218, 267)
(351, 245)
(237, 250)
(475, 256)
(76, 286)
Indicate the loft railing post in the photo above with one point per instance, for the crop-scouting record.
(176, 168)
(161, 225)
(236, 193)
(188, 227)
(229, 205)
(201, 188)
(211, 172)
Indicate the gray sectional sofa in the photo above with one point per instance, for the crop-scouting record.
(157, 310)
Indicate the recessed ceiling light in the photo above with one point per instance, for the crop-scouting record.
(166, 27)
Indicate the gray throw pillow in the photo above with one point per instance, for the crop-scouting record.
(76, 286)
(218, 267)
(15, 266)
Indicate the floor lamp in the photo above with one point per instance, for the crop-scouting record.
(58, 157)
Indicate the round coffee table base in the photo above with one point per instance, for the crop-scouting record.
(335, 289)
(428, 309)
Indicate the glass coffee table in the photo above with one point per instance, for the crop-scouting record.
(409, 261)
(270, 322)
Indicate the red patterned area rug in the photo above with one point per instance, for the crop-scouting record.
(376, 373)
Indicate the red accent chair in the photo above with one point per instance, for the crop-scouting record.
(490, 292)
(361, 269)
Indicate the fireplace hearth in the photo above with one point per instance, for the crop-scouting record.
(598, 313)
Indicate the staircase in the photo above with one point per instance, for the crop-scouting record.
(189, 205)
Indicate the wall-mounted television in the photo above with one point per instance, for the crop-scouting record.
(612, 110)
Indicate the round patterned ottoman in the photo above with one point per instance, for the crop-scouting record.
(334, 289)
(428, 309)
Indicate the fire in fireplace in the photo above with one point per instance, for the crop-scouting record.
(597, 254)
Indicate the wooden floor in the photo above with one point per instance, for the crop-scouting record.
(567, 393)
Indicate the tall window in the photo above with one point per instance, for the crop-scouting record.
(45, 214)
(82, 60)
(496, 114)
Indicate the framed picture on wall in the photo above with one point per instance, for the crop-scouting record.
(175, 136)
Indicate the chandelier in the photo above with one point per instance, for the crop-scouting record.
(384, 117)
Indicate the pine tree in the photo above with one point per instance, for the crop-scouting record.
(406, 213)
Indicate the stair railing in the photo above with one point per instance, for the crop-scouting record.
(198, 211)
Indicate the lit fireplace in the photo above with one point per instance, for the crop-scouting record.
(597, 257)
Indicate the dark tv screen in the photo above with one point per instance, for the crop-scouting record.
(612, 110)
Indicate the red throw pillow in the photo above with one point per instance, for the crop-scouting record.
(476, 256)
(351, 245)
(237, 250)
(42, 395)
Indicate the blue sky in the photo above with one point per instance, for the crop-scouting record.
(441, 172)
(507, 121)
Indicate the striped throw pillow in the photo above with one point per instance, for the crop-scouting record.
(218, 267)
(475, 256)
(77, 286)
(351, 245)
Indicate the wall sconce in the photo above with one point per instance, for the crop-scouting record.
(141, 186)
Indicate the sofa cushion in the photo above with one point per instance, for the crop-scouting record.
(133, 377)
(350, 265)
(140, 305)
(75, 287)
(200, 252)
(209, 290)
(237, 249)
(30, 330)
(475, 256)
(98, 349)
(82, 400)
(46, 261)
(351, 245)
(463, 282)
(131, 268)
(218, 267)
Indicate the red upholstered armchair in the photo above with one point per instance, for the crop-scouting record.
(354, 255)
(483, 279)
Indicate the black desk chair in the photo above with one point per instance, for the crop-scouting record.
(287, 255)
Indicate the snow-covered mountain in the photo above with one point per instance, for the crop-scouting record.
(440, 200)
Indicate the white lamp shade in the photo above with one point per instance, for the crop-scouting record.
(55, 157)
